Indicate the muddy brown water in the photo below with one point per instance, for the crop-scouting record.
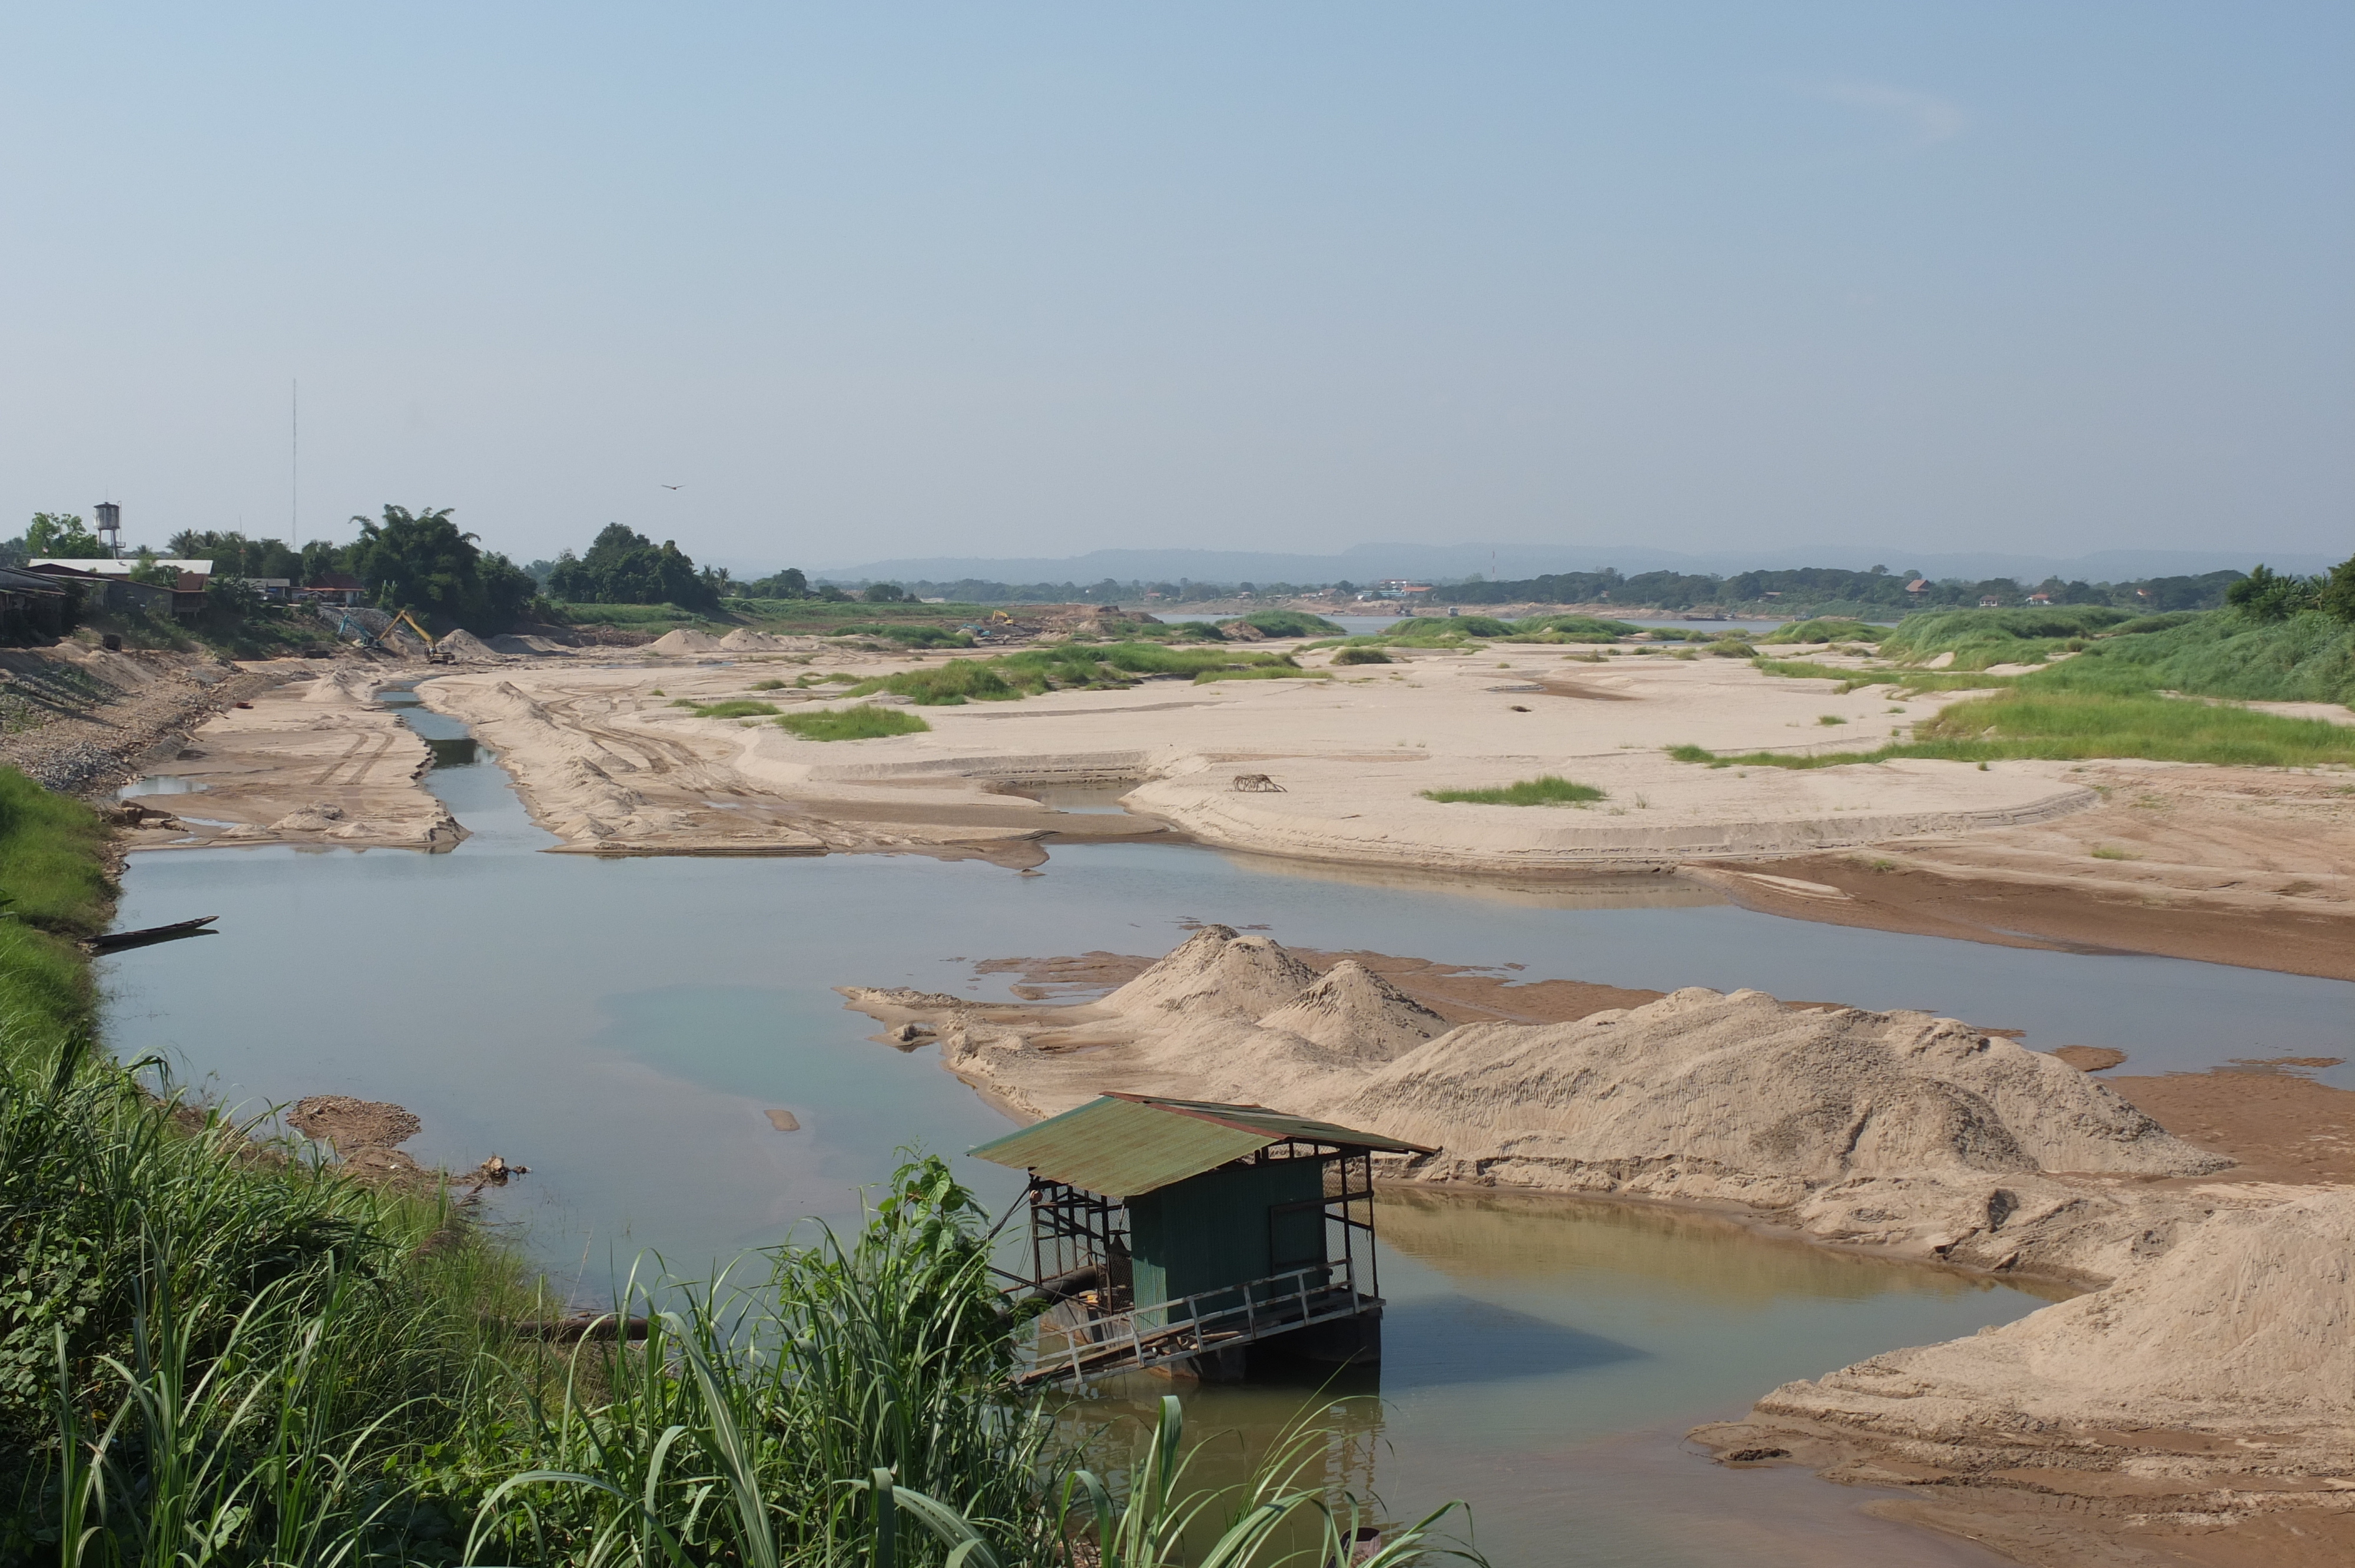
(625, 1028)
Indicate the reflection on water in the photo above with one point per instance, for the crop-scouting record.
(622, 1026)
(1544, 1357)
(159, 784)
(1649, 1245)
(1592, 890)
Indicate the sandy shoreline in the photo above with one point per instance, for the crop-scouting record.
(2230, 865)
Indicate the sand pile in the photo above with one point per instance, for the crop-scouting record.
(463, 644)
(684, 640)
(2248, 1320)
(345, 687)
(744, 639)
(1898, 1130)
(524, 645)
(1353, 1012)
(1742, 1083)
(1215, 970)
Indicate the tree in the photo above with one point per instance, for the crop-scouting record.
(2268, 594)
(419, 561)
(150, 570)
(2336, 595)
(624, 567)
(235, 555)
(62, 533)
(884, 593)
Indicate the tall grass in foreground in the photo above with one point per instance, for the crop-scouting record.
(209, 1350)
(853, 1410)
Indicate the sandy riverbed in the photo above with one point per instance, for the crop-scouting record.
(2236, 865)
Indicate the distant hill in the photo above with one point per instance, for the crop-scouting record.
(1445, 563)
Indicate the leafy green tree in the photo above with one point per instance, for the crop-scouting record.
(235, 555)
(624, 567)
(62, 533)
(884, 593)
(787, 584)
(419, 561)
(150, 570)
(2268, 594)
(2335, 595)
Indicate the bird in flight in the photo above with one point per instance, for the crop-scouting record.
(673, 487)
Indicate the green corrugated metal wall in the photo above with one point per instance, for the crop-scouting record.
(1212, 1230)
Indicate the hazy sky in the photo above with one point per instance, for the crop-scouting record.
(884, 280)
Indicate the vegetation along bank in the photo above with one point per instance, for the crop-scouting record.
(216, 1348)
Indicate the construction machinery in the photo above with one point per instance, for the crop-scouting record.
(353, 625)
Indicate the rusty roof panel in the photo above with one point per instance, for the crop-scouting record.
(1122, 1145)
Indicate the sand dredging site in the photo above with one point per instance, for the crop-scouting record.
(2202, 1385)
(2205, 1377)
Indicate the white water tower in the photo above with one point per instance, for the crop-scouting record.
(110, 528)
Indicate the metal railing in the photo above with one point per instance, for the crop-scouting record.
(1172, 1330)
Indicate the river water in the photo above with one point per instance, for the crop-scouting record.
(621, 1026)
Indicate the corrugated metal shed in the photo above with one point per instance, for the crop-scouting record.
(1122, 1145)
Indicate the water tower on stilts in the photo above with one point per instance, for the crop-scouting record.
(110, 528)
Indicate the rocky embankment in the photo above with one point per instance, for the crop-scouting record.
(81, 720)
(2174, 1382)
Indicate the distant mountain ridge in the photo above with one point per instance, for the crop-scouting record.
(1373, 562)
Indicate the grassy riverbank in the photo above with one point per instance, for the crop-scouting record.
(2160, 687)
(215, 1350)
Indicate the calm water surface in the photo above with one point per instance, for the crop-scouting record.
(620, 1026)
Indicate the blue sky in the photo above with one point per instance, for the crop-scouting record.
(1026, 279)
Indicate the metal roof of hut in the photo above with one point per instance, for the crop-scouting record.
(1123, 1145)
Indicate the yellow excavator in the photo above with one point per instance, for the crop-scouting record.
(433, 655)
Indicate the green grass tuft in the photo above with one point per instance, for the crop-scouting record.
(865, 721)
(1547, 790)
(1262, 673)
(733, 708)
(1362, 656)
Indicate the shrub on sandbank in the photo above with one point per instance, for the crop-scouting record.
(865, 721)
(1546, 790)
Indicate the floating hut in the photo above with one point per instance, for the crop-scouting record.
(1182, 1234)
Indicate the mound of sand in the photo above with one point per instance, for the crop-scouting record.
(2249, 1318)
(1353, 1012)
(1217, 972)
(744, 639)
(684, 640)
(526, 646)
(463, 644)
(1897, 1131)
(1742, 1083)
(342, 687)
